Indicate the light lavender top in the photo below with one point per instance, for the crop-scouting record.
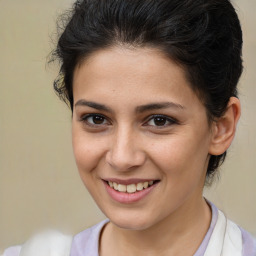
(86, 243)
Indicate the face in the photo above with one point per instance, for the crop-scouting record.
(140, 136)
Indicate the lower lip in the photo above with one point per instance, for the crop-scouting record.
(126, 198)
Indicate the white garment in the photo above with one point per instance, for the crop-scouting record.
(48, 243)
(226, 239)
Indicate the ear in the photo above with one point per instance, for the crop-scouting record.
(223, 130)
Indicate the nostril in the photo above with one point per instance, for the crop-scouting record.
(123, 160)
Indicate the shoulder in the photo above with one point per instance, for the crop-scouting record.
(12, 251)
(45, 243)
(235, 236)
(87, 241)
(55, 243)
(249, 243)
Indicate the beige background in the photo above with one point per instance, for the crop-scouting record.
(39, 184)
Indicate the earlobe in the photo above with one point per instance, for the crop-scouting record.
(223, 130)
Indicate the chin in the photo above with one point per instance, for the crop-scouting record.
(131, 222)
(131, 225)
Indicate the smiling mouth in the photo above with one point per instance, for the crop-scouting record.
(131, 188)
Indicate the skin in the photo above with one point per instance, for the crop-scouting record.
(126, 143)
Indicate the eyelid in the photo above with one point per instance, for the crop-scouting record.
(84, 118)
(169, 119)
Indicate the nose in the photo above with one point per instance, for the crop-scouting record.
(125, 151)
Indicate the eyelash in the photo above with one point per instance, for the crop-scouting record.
(85, 118)
(171, 121)
(166, 119)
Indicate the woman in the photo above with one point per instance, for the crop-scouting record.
(152, 86)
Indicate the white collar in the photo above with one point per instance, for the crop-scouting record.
(226, 238)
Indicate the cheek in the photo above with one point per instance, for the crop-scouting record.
(181, 155)
(87, 151)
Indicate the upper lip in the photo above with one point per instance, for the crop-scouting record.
(128, 181)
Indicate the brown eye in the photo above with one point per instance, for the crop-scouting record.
(160, 121)
(98, 119)
(94, 119)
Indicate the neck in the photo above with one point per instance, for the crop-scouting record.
(181, 233)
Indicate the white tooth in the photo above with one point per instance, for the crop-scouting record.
(139, 186)
(121, 188)
(110, 183)
(131, 188)
(115, 185)
(151, 182)
(145, 184)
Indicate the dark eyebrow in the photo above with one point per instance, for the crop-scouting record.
(93, 105)
(139, 109)
(161, 105)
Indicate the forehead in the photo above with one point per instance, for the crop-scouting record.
(143, 74)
